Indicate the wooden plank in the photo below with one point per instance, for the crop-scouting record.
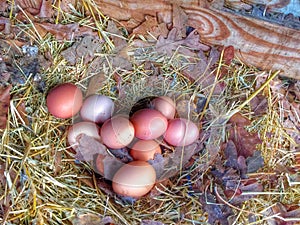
(262, 44)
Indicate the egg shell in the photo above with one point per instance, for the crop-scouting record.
(88, 128)
(134, 179)
(149, 124)
(98, 164)
(165, 105)
(64, 101)
(97, 108)
(181, 132)
(117, 132)
(144, 150)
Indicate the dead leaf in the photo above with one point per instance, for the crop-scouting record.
(116, 35)
(95, 83)
(46, 10)
(171, 43)
(92, 219)
(244, 141)
(147, 26)
(5, 25)
(180, 19)
(259, 104)
(217, 213)
(30, 6)
(4, 104)
(64, 32)
(84, 49)
(170, 164)
(65, 5)
(278, 214)
(151, 222)
(255, 162)
(88, 148)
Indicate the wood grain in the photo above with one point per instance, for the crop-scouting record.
(261, 44)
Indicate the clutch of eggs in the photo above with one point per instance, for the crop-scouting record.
(138, 133)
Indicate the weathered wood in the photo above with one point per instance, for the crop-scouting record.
(262, 44)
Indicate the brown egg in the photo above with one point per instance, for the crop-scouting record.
(117, 132)
(134, 179)
(181, 132)
(144, 150)
(97, 108)
(165, 105)
(64, 100)
(149, 124)
(87, 128)
(98, 164)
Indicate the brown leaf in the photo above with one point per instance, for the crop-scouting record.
(259, 104)
(65, 5)
(172, 42)
(92, 219)
(116, 35)
(88, 148)
(244, 141)
(5, 25)
(282, 213)
(239, 120)
(95, 83)
(255, 162)
(4, 104)
(147, 26)
(151, 222)
(170, 164)
(84, 49)
(64, 32)
(30, 6)
(180, 19)
(46, 10)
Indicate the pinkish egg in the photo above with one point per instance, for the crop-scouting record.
(165, 105)
(149, 124)
(181, 132)
(117, 132)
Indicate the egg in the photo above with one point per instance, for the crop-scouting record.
(97, 108)
(134, 179)
(87, 128)
(144, 150)
(117, 132)
(181, 132)
(64, 100)
(149, 124)
(165, 105)
(98, 164)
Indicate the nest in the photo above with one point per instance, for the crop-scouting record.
(42, 182)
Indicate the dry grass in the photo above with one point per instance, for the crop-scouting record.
(45, 185)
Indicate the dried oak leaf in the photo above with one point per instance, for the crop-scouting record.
(4, 104)
(92, 219)
(217, 213)
(151, 222)
(244, 141)
(279, 215)
(180, 20)
(40, 8)
(255, 162)
(64, 32)
(171, 43)
(259, 104)
(84, 49)
(89, 147)
(169, 165)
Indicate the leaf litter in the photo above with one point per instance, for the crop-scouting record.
(221, 168)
